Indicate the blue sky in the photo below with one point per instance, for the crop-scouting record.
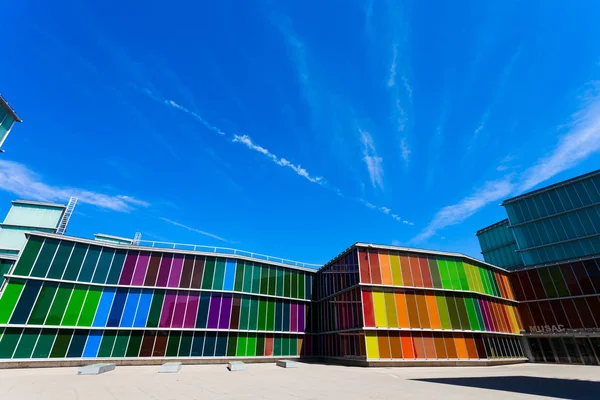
(297, 128)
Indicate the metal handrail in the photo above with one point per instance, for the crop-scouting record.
(223, 250)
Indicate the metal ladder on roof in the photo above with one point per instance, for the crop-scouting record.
(136, 238)
(64, 221)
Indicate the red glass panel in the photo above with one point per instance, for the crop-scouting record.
(584, 312)
(582, 277)
(526, 285)
(369, 311)
(374, 266)
(571, 279)
(572, 315)
(363, 265)
(425, 273)
(408, 350)
(416, 271)
(547, 313)
(538, 287)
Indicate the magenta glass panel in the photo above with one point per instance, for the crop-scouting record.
(176, 269)
(213, 312)
(128, 268)
(163, 272)
(192, 310)
(294, 318)
(179, 314)
(140, 269)
(167, 311)
(485, 313)
(301, 316)
(225, 312)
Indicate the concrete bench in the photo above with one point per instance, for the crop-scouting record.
(287, 364)
(170, 368)
(236, 366)
(95, 369)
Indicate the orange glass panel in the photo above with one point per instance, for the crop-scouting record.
(402, 310)
(425, 273)
(507, 284)
(384, 345)
(440, 347)
(461, 346)
(384, 264)
(408, 349)
(500, 283)
(415, 268)
(434, 317)
(406, 274)
(423, 313)
(450, 346)
(363, 266)
(413, 314)
(300, 341)
(419, 347)
(471, 348)
(374, 266)
(269, 345)
(395, 344)
(429, 345)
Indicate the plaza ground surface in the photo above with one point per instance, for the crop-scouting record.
(309, 381)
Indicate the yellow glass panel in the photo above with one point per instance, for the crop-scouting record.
(379, 305)
(396, 271)
(372, 345)
(390, 307)
(510, 310)
(384, 264)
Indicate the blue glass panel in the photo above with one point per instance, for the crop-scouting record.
(130, 307)
(143, 308)
(104, 307)
(93, 344)
(25, 304)
(229, 274)
(117, 308)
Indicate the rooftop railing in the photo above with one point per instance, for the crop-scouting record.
(224, 250)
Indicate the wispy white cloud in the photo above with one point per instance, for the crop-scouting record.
(371, 159)
(392, 75)
(505, 163)
(18, 179)
(189, 228)
(245, 139)
(405, 151)
(581, 141)
(385, 210)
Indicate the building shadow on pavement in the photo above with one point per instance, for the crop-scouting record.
(550, 387)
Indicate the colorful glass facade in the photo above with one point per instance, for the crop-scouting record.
(69, 298)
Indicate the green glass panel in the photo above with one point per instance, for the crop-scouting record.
(116, 267)
(260, 345)
(462, 313)
(89, 306)
(103, 266)
(453, 312)
(61, 258)
(27, 343)
(209, 273)
(470, 281)
(9, 299)
(9, 341)
(185, 347)
(238, 285)
(493, 283)
(444, 274)
(42, 264)
(248, 270)
(473, 320)
(264, 280)
(28, 256)
(74, 307)
(60, 304)
(462, 275)
(231, 345)
(155, 308)
(241, 345)
(253, 320)
(435, 273)
(89, 264)
(279, 278)
(221, 348)
(547, 282)
(61, 344)
(485, 281)
(75, 262)
(77, 345)
(272, 279)
(256, 278)
(173, 344)
(476, 279)
(295, 285)
(453, 274)
(301, 294)
(202, 316)
(443, 312)
(120, 346)
(219, 274)
(107, 344)
(43, 303)
(558, 281)
(277, 346)
(262, 315)
(251, 345)
(245, 313)
(44, 343)
(135, 342)
(287, 284)
(271, 315)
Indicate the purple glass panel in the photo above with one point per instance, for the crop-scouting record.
(163, 272)
(484, 315)
(213, 311)
(192, 310)
(140, 269)
(301, 313)
(167, 311)
(488, 313)
(176, 269)
(128, 268)
(180, 305)
(294, 317)
(225, 312)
